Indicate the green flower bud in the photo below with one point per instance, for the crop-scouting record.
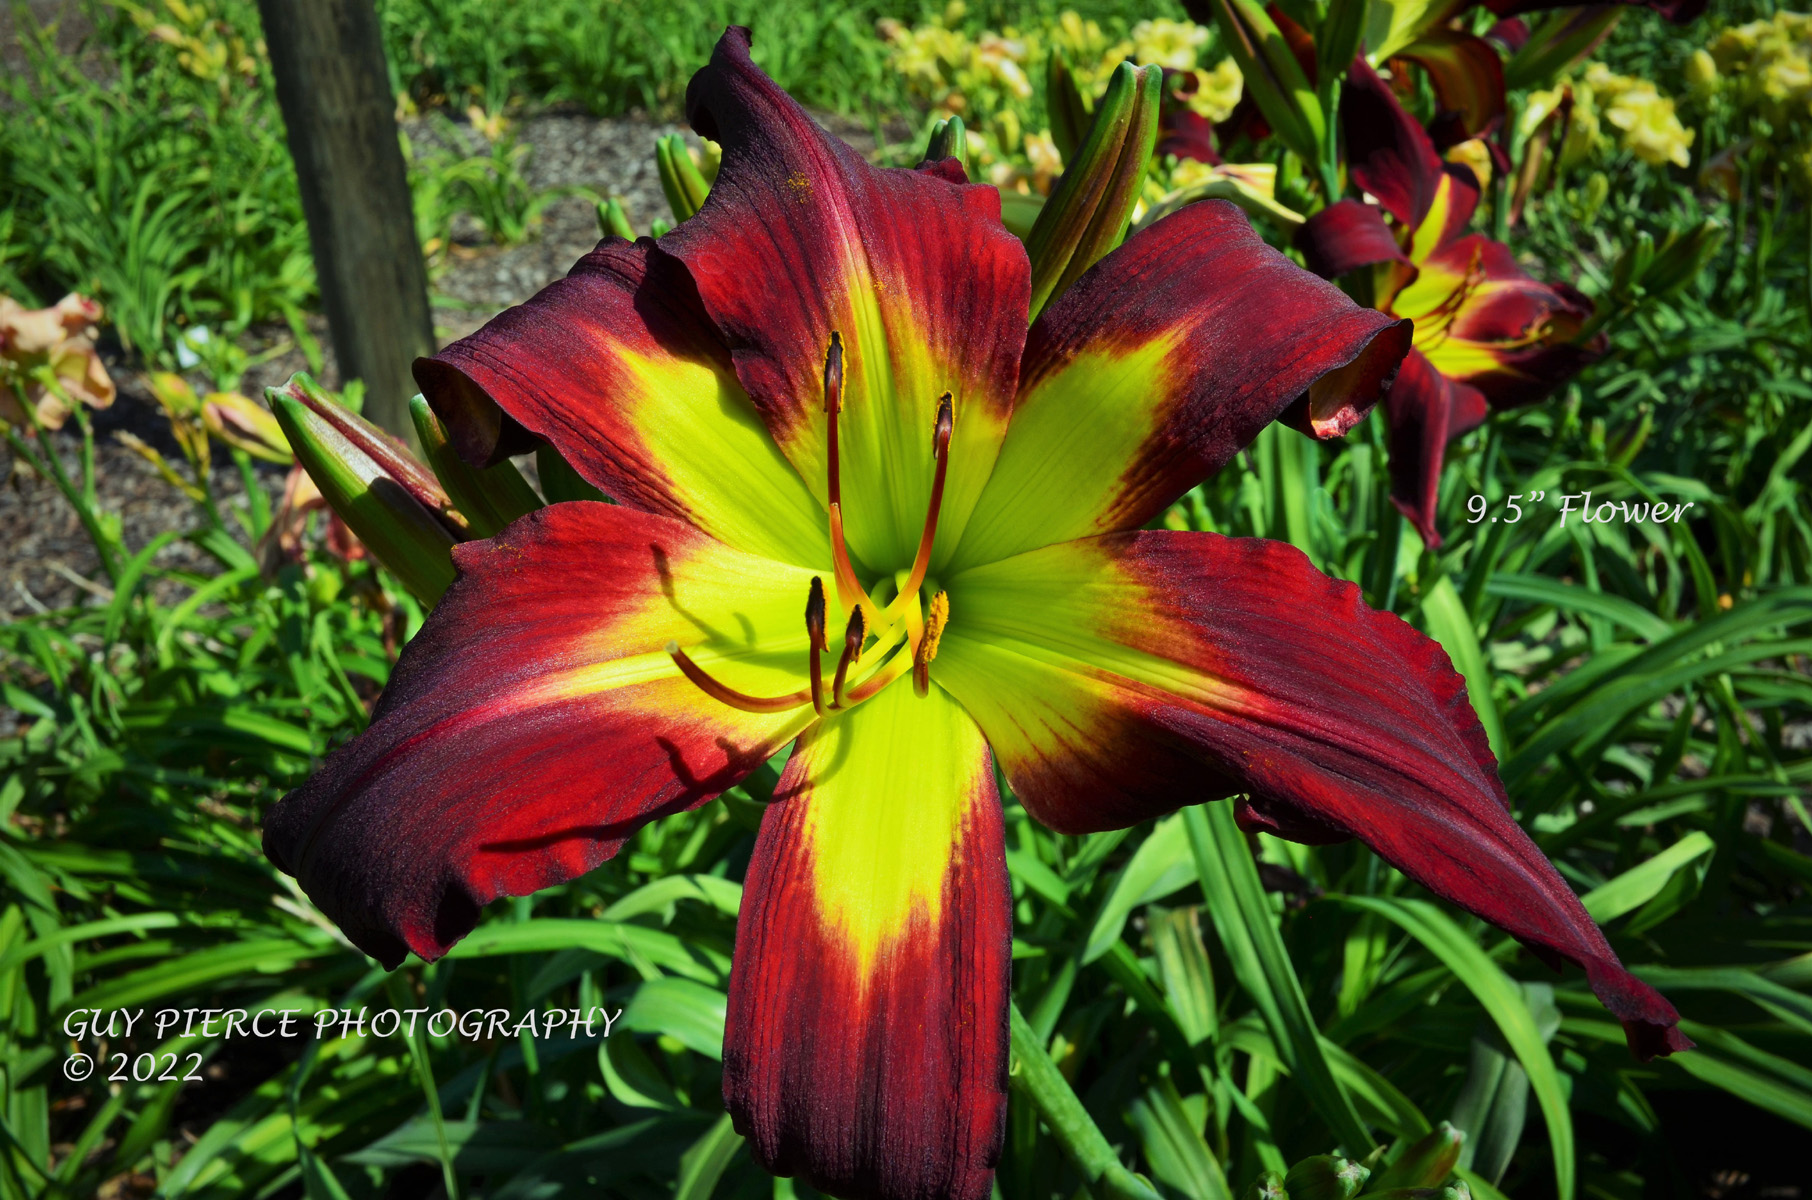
(1325, 1177)
(1681, 257)
(1337, 41)
(1269, 1186)
(949, 140)
(613, 221)
(490, 497)
(1426, 1163)
(1093, 203)
(1597, 191)
(1273, 77)
(685, 187)
(1559, 43)
(1069, 108)
(385, 507)
(384, 449)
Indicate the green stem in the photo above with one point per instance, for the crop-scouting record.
(1039, 1080)
(83, 500)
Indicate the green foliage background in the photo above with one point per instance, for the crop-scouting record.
(1217, 1013)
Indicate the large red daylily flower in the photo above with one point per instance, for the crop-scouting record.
(1488, 335)
(817, 404)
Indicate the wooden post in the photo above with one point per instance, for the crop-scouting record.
(333, 86)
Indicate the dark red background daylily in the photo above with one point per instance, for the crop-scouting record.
(1489, 336)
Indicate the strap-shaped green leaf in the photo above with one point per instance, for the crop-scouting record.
(1248, 930)
(1502, 998)
(1039, 1080)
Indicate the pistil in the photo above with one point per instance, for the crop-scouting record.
(905, 639)
(850, 592)
(940, 448)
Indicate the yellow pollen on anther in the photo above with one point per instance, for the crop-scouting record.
(926, 650)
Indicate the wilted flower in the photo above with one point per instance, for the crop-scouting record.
(241, 421)
(49, 354)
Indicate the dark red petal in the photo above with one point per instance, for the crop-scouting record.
(1182, 131)
(554, 364)
(1387, 152)
(1334, 717)
(801, 238)
(1512, 33)
(1346, 236)
(1159, 365)
(1185, 133)
(536, 722)
(1526, 325)
(1422, 408)
(866, 1043)
(1467, 74)
(618, 367)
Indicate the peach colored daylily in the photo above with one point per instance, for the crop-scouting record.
(56, 338)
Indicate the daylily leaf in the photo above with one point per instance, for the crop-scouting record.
(1503, 1000)
(1038, 1078)
(1248, 931)
(1159, 867)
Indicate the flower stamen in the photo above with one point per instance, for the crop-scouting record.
(814, 628)
(926, 650)
(720, 691)
(853, 637)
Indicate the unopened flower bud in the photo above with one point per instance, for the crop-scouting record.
(1681, 257)
(1325, 1177)
(1273, 78)
(1559, 44)
(1087, 214)
(1269, 1186)
(613, 221)
(1069, 108)
(949, 139)
(685, 187)
(393, 503)
(488, 497)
